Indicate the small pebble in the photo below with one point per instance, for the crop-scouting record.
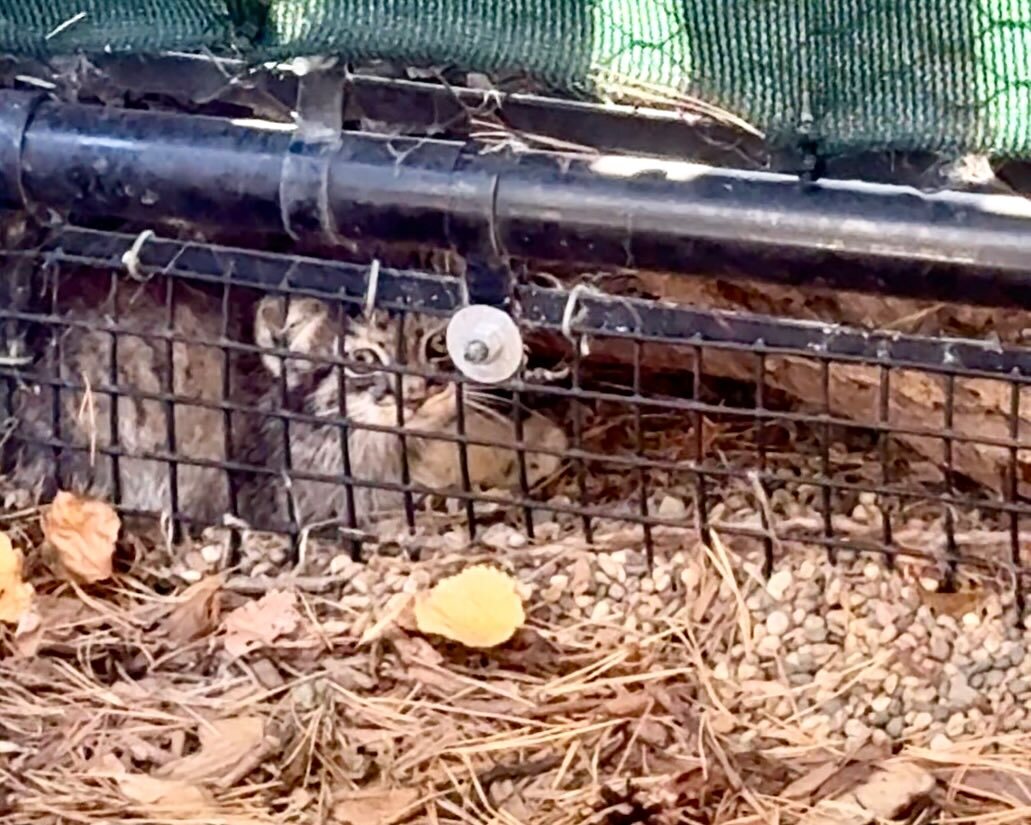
(806, 570)
(1017, 654)
(883, 613)
(779, 584)
(960, 693)
(940, 742)
(939, 647)
(553, 595)
(777, 623)
(581, 576)
(855, 729)
(662, 581)
(211, 553)
(611, 568)
(814, 628)
(955, 725)
(672, 508)
(994, 678)
(746, 671)
(817, 720)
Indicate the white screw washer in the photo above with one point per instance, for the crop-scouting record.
(485, 344)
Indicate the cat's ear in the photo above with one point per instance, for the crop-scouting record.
(269, 320)
(303, 326)
(269, 323)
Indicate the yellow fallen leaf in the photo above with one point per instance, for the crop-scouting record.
(479, 608)
(379, 807)
(261, 622)
(83, 533)
(15, 594)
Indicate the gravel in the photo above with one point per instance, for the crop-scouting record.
(852, 651)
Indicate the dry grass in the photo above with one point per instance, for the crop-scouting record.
(127, 705)
(111, 712)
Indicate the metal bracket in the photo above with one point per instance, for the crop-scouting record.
(320, 115)
(489, 282)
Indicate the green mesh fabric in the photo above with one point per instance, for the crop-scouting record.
(576, 45)
(952, 75)
(851, 74)
(552, 44)
(48, 27)
(870, 74)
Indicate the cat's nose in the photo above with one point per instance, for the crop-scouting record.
(380, 387)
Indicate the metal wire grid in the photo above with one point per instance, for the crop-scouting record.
(639, 326)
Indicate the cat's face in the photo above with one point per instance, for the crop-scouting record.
(309, 327)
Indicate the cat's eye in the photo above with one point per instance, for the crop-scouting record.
(365, 360)
(436, 346)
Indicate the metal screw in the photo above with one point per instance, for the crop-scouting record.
(476, 352)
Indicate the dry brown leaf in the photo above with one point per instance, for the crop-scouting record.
(261, 622)
(156, 797)
(440, 680)
(374, 807)
(809, 783)
(480, 607)
(28, 635)
(52, 619)
(994, 784)
(627, 704)
(165, 795)
(847, 778)
(952, 604)
(413, 650)
(83, 533)
(15, 594)
(197, 612)
(887, 792)
(175, 800)
(228, 749)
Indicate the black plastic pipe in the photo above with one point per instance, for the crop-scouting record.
(605, 211)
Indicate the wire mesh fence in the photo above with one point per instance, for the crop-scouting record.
(299, 395)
